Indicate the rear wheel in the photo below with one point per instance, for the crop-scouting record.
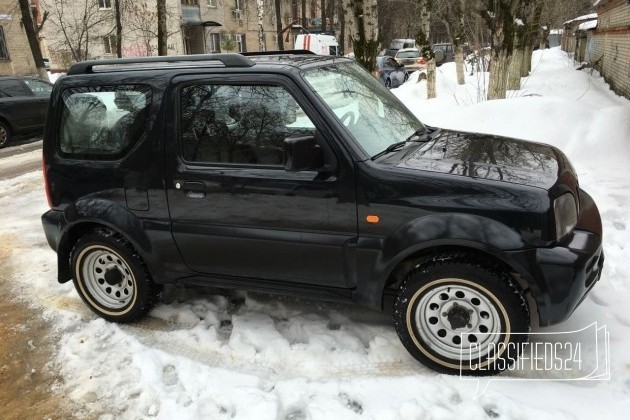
(5, 134)
(455, 315)
(111, 278)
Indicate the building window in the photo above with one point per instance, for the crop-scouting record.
(214, 43)
(191, 2)
(4, 49)
(238, 4)
(104, 4)
(240, 43)
(109, 44)
(212, 3)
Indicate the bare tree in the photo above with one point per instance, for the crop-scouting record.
(499, 17)
(278, 11)
(260, 11)
(31, 35)
(451, 14)
(323, 7)
(423, 40)
(117, 17)
(162, 34)
(76, 24)
(361, 16)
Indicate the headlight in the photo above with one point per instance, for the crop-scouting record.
(565, 212)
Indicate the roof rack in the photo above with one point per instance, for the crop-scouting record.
(228, 60)
(284, 52)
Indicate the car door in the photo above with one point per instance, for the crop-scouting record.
(396, 72)
(40, 91)
(235, 211)
(17, 105)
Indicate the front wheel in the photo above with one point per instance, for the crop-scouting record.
(456, 315)
(111, 278)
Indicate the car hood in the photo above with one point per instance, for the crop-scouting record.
(487, 157)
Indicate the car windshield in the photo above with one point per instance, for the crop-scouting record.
(409, 54)
(373, 115)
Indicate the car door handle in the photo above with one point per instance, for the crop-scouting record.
(192, 189)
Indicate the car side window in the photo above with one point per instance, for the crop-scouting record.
(102, 122)
(11, 88)
(242, 124)
(39, 87)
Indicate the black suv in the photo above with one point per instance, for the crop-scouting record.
(23, 105)
(301, 174)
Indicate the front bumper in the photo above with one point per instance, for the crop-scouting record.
(560, 277)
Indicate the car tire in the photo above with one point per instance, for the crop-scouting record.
(458, 315)
(388, 83)
(111, 277)
(5, 134)
(406, 77)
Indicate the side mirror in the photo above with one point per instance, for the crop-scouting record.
(302, 154)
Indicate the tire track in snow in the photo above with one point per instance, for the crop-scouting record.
(154, 333)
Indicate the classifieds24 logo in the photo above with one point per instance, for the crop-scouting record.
(581, 355)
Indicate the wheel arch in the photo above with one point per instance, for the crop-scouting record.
(488, 255)
(83, 218)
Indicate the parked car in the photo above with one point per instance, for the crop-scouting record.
(411, 59)
(389, 72)
(23, 105)
(444, 53)
(301, 174)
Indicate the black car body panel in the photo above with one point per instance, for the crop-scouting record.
(306, 233)
(22, 109)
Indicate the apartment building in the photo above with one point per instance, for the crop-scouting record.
(77, 30)
(15, 53)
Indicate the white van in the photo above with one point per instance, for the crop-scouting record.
(317, 43)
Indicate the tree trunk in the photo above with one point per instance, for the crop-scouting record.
(118, 28)
(526, 65)
(279, 36)
(516, 62)
(323, 6)
(514, 72)
(498, 75)
(342, 29)
(260, 9)
(304, 22)
(362, 26)
(423, 39)
(431, 90)
(161, 29)
(459, 64)
(29, 27)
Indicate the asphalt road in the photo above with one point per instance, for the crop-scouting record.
(20, 159)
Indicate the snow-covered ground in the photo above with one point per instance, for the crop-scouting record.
(211, 354)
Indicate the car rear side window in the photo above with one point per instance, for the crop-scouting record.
(102, 122)
(39, 87)
(241, 124)
(11, 88)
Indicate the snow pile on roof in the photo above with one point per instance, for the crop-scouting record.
(591, 24)
(583, 17)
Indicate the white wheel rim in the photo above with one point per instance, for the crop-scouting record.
(106, 276)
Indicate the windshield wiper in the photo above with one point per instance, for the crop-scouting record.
(391, 148)
(415, 136)
(418, 136)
